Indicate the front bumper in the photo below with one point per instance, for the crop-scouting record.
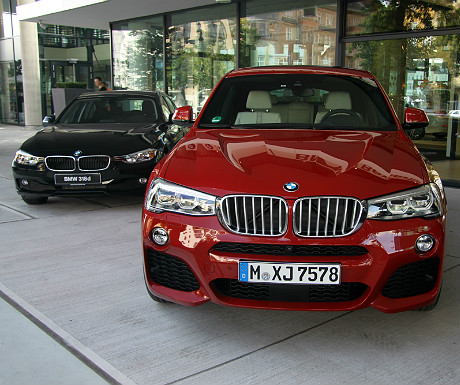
(380, 266)
(117, 179)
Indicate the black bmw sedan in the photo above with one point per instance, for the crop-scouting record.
(102, 143)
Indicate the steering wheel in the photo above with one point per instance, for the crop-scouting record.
(353, 117)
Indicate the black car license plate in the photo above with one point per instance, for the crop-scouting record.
(77, 179)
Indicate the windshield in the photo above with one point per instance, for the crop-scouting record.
(110, 109)
(298, 101)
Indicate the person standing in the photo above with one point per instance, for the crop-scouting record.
(98, 83)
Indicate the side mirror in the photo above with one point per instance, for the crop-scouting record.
(48, 120)
(183, 115)
(415, 118)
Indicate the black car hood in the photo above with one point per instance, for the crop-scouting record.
(101, 139)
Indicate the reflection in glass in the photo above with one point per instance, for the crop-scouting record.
(10, 102)
(202, 50)
(138, 55)
(423, 73)
(377, 16)
(294, 33)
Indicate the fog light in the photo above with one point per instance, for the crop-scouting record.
(143, 180)
(160, 236)
(424, 243)
(24, 182)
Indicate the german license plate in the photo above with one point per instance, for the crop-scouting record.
(290, 273)
(77, 179)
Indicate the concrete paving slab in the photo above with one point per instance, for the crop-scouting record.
(453, 222)
(30, 356)
(363, 347)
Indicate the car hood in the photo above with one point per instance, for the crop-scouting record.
(101, 139)
(344, 163)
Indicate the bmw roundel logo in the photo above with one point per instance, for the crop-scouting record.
(77, 153)
(291, 186)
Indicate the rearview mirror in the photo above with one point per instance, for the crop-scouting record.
(183, 115)
(47, 120)
(415, 118)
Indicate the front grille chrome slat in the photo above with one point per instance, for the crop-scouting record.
(257, 215)
(315, 217)
(327, 216)
(83, 163)
(60, 163)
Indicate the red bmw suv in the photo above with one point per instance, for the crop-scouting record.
(296, 188)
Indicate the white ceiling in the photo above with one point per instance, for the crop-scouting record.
(98, 13)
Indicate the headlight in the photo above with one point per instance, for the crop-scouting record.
(166, 196)
(137, 157)
(424, 201)
(23, 157)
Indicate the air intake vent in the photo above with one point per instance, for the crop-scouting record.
(254, 214)
(327, 216)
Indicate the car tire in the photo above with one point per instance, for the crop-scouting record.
(416, 133)
(432, 305)
(33, 200)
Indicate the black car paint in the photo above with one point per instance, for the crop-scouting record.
(112, 139)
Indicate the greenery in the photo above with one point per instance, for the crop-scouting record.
(390, 59)
(71, 85)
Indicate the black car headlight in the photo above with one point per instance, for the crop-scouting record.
(139, 156)
(424, 201)
(27, 159)
(166, 196)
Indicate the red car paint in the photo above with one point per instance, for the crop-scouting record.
(362, 164)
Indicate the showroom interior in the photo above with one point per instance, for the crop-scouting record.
(184, 47)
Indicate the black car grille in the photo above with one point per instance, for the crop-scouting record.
(327, 216)
(346, 291)
(413, 279)
(290, 250)
(60, 163)
(254, 214)
(171, 272)
(84, 163)
(93, 163)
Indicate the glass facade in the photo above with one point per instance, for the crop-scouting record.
(383, 16)
(418, 67)
(410, 45)
(288, 33)
(11, 92)
(138, 54)
(202, 48)
(71, 54)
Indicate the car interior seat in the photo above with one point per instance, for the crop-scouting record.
(335, 100)
(259, 102)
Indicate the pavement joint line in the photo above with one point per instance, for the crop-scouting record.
(97, 203)
(451, 268)
(17, 211)
(272, 344)
(258, 350)
(70, 343)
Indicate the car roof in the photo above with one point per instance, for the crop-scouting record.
(120, 93)
(272, 70)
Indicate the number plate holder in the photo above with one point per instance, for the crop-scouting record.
(77, 179)
(290, 273)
